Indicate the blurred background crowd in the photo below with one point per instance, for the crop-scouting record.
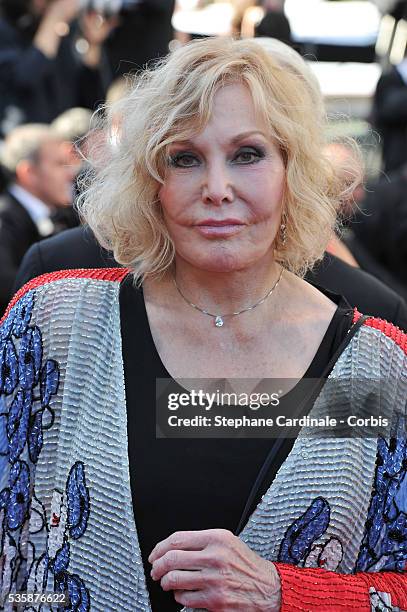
(60, 60)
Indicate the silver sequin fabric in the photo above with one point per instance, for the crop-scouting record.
(79, 319)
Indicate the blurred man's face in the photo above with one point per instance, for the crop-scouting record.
(52, 175)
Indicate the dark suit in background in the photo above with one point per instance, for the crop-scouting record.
(361, 289)
(390, 118)
(380, 226)
(77, 248)
(74, 248)
(17, 233)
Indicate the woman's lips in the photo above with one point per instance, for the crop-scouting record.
(223, 229)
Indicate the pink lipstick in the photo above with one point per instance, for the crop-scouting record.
(221, 228)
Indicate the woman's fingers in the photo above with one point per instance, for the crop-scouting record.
(213, 569)
(179, 560)
(183, 580)
(188, 540)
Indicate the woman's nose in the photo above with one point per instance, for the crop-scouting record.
(217, 186)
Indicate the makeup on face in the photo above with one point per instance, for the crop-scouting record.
(223, 186)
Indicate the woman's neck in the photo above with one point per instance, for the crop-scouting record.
(225, 292)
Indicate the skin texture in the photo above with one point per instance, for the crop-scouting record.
(50, 177)
(219, 175)
(213, 569)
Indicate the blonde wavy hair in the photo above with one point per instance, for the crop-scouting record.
(175, 99)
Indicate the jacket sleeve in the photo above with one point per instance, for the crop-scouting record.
(323, 591)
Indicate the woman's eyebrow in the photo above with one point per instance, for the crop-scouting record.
(236, 139)
(244, 135)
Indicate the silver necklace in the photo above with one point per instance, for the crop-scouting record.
(219, 318)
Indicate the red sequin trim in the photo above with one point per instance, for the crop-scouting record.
(104, 274)
(316, 589)
(390, 330)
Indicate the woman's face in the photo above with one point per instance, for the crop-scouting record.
(223, 188)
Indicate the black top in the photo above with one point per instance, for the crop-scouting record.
(194, 484)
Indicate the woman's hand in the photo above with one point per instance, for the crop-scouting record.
(214, 569)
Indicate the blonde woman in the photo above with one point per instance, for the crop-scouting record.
(216, 197)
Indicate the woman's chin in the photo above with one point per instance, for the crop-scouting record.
(219, 262)
(226, 257)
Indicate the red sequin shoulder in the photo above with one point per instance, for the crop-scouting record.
(389, 329)
(103, 274)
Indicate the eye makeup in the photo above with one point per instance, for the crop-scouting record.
(244, 155)
(252, 154)
(183, 159)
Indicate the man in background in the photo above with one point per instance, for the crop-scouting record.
(389, 115)
(40, 183)
(380, 228)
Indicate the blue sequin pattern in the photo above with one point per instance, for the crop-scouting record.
(300, 536)
(27, 387)
(384, 546)
(303, 544)
(78, 501)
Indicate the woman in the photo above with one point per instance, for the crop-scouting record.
(216, 194)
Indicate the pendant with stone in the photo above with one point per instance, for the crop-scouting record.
(218, 321)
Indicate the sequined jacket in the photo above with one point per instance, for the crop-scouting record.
(334, 520)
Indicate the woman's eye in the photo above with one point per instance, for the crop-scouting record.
(248, 156)
(183, 160)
